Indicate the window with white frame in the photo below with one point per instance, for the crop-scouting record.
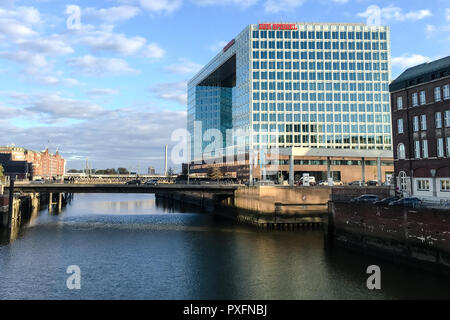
(446, 90)
(447, 141)
(401, 151)
(438, 120)
(423, 122)
(447, 118)
(423, 185)
(440, 147)
(425, 148)
(403, 179)
(415, 101)
(437, 94)
(400, 125)
(399, 103)
(416, 123)
(423, 99)
(445, 185)
(417, 149)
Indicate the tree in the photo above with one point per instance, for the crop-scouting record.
(215, 173)
(74, 171)
(123, 171)
(170, 172)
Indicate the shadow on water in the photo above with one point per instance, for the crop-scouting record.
(138, 247)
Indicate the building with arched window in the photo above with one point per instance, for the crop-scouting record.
(420, 106)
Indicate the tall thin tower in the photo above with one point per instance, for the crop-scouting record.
(165, 161)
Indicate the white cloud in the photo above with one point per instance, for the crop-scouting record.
(184, 66)
(94, 66)
(102, 92)
(392, 13)
(52, 45)
(174, 91)
(115, 139)
(53, 106)
(111, 15)
(160, 5)
(408, 60)
(153, 51)
(33, 62)
(430, 30)
(101, 40)
(447, 14)
(240, 3)
(275, 6)
(217, 46)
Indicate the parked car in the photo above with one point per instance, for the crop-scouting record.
(152, 182)
(407, 202)
(356, 183)
(135, 182)
(386, 201)
(365, 198)
(372, 183)
(335, 183)
(38, 181)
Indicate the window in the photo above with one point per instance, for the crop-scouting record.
(445, 185)
(437, 94)
(399, 103)
(447, 118)
(440, 147)
(416, 123)
(422, 97)
(423, 185)
(417, 149)
(403, 179)
(438, 120)
(415, 102)
(425, 148)
(446, 90)
(401, 151)
(447, 141)
(400, 125)
(423, 122)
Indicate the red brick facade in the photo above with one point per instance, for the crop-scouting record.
(41, 164)
(424, 98)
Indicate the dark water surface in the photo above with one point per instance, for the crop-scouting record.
(128, 246)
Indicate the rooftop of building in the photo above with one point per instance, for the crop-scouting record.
(422, 73)
(22, 149)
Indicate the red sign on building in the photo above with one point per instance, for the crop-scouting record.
(277, 26)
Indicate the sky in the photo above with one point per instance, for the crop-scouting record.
(106, 80)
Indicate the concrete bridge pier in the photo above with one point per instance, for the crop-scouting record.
(50, 202)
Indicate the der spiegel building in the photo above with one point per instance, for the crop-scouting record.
(301, 85)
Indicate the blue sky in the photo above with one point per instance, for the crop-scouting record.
(114, 89)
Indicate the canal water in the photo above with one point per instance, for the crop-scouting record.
(130, 246)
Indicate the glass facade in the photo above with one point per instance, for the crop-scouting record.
(319, 86)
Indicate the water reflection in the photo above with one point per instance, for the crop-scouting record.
(135, 247)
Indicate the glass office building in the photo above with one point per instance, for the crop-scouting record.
(305, 85)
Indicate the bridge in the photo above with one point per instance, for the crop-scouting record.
(123, 188)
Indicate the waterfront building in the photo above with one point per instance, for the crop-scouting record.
(421, 128)
(151, 171)
(317, 91)
(22, 163)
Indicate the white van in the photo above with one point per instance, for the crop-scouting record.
(310, 179)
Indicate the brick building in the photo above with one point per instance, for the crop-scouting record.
(22, 163)
(420, 102)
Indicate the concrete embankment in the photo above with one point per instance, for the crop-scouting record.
(417, 236)
(272, 206)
